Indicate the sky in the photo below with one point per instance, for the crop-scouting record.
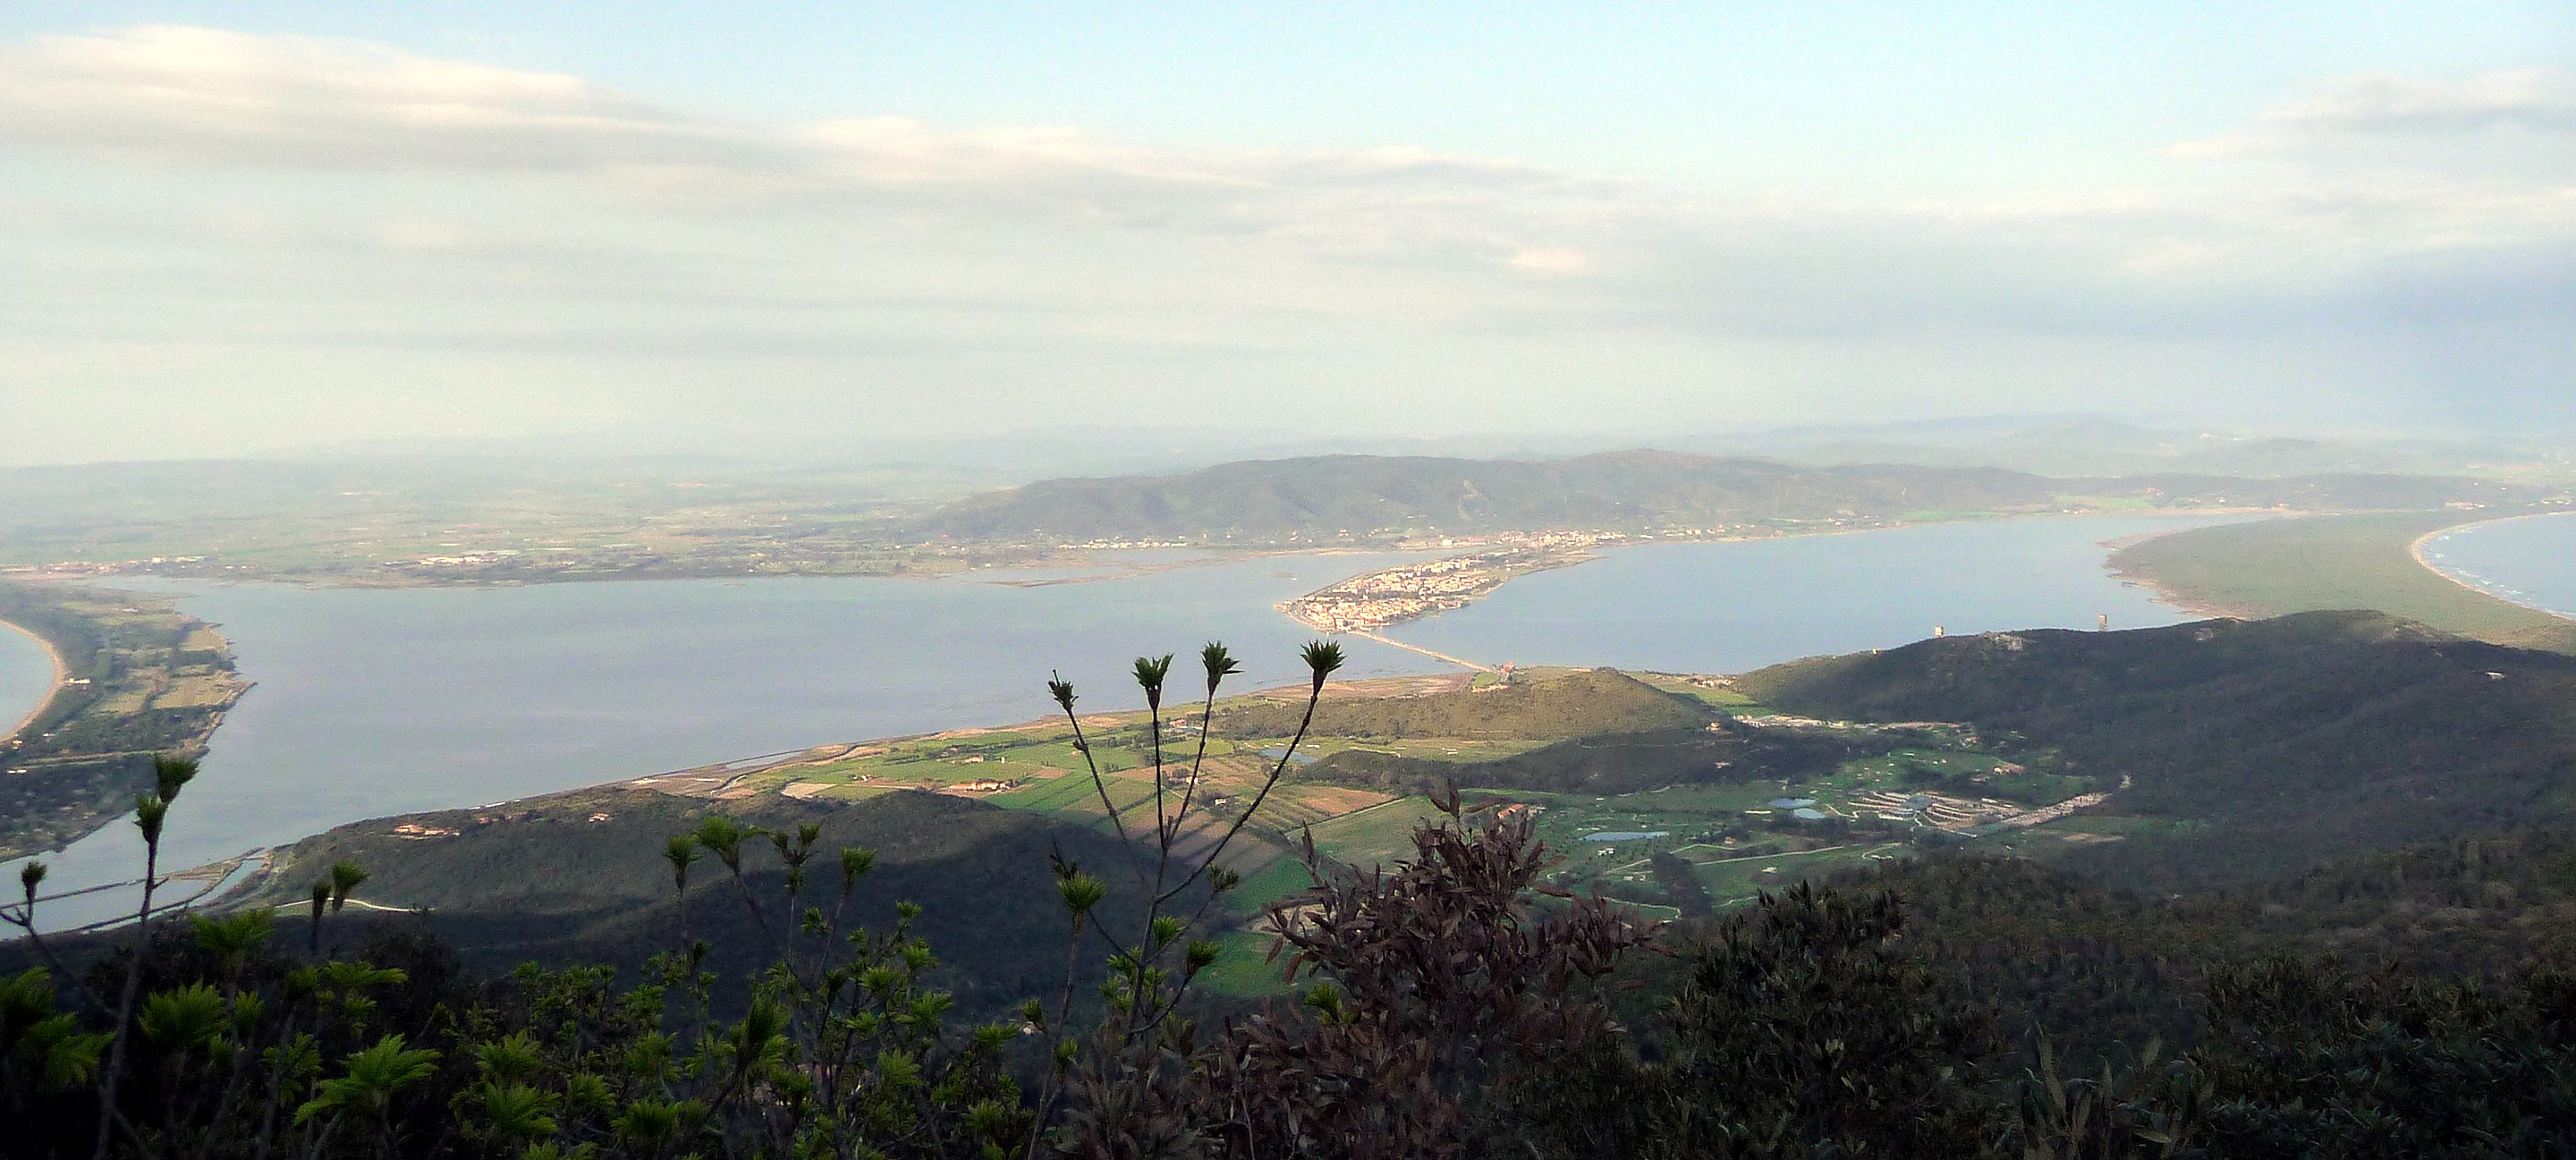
(237, 228)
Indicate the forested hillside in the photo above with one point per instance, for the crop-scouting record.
(580, 877)
(1356, 495)
(2250, 748)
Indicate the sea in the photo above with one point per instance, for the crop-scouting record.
(2530, 560)
(369, 702)
(26, 676)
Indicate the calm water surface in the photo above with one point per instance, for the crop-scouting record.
(390, 701)
(375, 702)
(1728, 607)
(2530, 561)
(26, 676)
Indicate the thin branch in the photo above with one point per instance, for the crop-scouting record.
(27, 923)
(1162, 827)
(1082, 746)
(1276, 771)
(1207, 713)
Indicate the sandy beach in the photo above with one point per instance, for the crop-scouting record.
(61, 674)
(2416, 549)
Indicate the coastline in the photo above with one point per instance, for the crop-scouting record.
(1573, 556)
(62, 677)
(2415, 549)
(2165, 594)
(2360, 560)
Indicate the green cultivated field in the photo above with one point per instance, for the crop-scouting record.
(1738, 879)
(1377, 835)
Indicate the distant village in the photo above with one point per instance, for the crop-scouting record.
(1404, 593)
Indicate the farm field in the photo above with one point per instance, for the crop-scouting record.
(1741, 829)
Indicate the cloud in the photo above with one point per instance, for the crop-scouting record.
(203, 95)
(198, 96)
(2379, 107)
(208, 97)
(296, 194)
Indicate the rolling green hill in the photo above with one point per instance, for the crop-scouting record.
(1355, 496)
(2249, 748)
(1548, 708)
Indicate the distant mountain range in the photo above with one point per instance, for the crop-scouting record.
(1358, 496)
(2093, 445)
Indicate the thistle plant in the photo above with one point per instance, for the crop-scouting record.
(1151, 973)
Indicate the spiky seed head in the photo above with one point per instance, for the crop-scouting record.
(1150, 672)
(170, 773)
(1201, 955)
(1166, 928)
(28, 876)
(722, 836)
(1081, 892)
(856, 861)
(1218, 663)
(149, 811)
(1322, 658)
(1062, 690)
(345, 877)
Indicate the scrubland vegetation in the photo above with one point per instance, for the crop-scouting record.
(2285, 929)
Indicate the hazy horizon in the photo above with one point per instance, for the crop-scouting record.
(253, 230)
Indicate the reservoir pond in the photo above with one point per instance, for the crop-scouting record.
(369, 702)
(2530, 560)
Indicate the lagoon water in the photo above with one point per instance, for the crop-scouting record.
(2530, 560)
(26, 676)
(1729, 607)
(375, 702)
(370, 702)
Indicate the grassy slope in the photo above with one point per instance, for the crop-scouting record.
(2258, 747)
(2334, 562)
(1574, 705)
(1615, 763)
